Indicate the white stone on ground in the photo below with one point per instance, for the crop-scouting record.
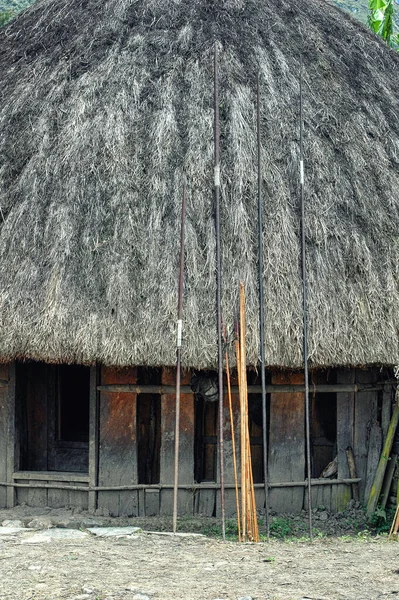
(113, 531)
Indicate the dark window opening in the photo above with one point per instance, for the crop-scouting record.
(73, 403)
(205, 441)
(148, 438)
(53, 416)
(324, 432)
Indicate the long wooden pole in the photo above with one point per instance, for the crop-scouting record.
(178, 362)
(233, 443)
(262, 316)
(219, 280)
(304, 311)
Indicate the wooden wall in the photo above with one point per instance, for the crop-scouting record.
(362, 417)
(4, 376)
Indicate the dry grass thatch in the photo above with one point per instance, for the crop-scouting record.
(105, 104)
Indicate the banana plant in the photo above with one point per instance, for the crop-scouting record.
(380, 20)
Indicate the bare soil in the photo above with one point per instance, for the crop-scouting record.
(150, 565)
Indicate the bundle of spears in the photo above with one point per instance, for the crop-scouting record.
(246, 514)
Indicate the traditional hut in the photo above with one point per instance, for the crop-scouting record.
(105, 109)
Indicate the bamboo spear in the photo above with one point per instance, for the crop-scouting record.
(304, 310)
(219, 280)
(178, 362)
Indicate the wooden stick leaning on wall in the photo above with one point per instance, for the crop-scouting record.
(382, 465)
(178, 353)
(250, 530)
(233, 442)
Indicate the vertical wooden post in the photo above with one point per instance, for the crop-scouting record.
(3, 433)
(365, 413)
(185, 502)
(11, 435)
(345, 426)
(287, 444)
(93, 434)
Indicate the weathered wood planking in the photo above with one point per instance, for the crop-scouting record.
(3, 434)
(366, 409)
(117, 444)
(287, 444)
(94, 422)
(185, 504)
(345, 434)
(230, 494)
(373, 457)
(10, 454)
(388, 396)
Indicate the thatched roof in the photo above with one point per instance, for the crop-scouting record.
(105, 104)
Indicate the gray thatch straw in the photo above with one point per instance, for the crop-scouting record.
(105, 104)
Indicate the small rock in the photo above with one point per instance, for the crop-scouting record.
(41, 523)
(34, 568)
(245, 598)
(140, 597)
(12, 523)
(81, 597)
(87, 590)
(323, 516)
(113, 531)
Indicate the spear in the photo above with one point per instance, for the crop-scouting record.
(262, 316)
(304, 305)
(219, 280)
(178, 362)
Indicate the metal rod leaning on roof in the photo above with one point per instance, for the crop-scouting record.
(219, 280)
(261, 314)
(304, 305)
(178, 361)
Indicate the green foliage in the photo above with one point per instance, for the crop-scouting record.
(380, 20)
(6, 16)
(281, 527)
(381, 519)
(10, 8)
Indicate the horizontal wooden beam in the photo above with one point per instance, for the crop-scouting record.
(252, 389)
(193, 487)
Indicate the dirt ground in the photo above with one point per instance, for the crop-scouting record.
(44, 562)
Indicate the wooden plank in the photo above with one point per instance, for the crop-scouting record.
(95, 372)
(345, 434)
(3, 433)
(206, 502)
(11, 435)
(388, 396)
(117, 444)
(230, 494)
(51, 476)
(373, 457)
(287, 444)
(366, 408)
(57, 498)
(37, 497)
(152, 500)
(185, 501)
(78, 499)
(21, 494)
(383, 463)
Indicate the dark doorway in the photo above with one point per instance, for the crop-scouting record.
(53, 416)
(205, 442)
(148, 437)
